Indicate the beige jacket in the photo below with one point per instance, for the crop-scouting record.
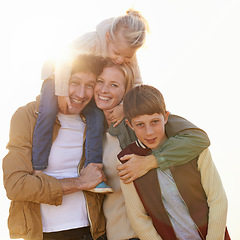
(216, 199)
(27, 191)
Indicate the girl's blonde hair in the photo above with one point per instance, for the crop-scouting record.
(133, 27)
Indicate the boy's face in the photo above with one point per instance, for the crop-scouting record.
(150, 129)
(81, 86)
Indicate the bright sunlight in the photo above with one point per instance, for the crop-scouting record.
(192, 56)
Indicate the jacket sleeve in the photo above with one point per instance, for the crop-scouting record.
(86, 44)
(138, 217)
(185, 142)
(216, 197)
(19, 182)
(137, 73)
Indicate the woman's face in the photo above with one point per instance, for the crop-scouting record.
(118, 51)
(110, 88)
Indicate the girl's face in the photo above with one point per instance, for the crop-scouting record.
(110, 88)
(118, 51)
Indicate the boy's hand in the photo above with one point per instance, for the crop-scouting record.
(64, 103)
(135, 167)
(116, 115)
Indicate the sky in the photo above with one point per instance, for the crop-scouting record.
(192, 56)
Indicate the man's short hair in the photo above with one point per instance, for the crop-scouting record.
(88, 63)
(143, 100)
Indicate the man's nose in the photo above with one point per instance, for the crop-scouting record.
(81, 91)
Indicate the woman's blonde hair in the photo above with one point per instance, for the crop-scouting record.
(127, 71)
(133, 27)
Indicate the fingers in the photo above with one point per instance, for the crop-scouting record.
(116, 123)
(69, 105)
(110, 110)
(127, 157)
(127, 178)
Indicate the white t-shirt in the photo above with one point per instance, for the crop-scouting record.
(64, 158)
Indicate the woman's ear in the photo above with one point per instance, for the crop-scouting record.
(129, 124)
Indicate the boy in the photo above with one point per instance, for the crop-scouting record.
(183, 202)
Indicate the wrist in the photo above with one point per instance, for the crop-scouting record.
(71, 185)
(152, 162)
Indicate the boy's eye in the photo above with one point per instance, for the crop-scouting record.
(139, 124)
(155, 121)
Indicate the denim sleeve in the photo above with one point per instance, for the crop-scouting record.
(42, 136)
(185, 142)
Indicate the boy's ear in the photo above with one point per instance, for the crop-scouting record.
(166, 117)
(129, 124)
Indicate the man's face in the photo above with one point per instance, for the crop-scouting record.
(150, 129)
(81, 86)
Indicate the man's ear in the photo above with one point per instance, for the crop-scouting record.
(129, 124)
(166, 117)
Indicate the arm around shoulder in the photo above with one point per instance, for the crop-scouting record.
(185, 142)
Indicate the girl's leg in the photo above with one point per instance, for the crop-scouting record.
(94, 137)
(42, 136)
(94, 134)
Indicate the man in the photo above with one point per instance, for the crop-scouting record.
(53, 204)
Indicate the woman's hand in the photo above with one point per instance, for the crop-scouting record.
(116, 115)
(135, 167)
(64, 103)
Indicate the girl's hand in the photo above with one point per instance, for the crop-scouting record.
(135, 167)
(116, 115)
(64, 103)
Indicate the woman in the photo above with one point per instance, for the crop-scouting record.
(111, 86)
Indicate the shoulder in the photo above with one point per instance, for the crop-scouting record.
(205, 155)
(30, 109)
(24, 117)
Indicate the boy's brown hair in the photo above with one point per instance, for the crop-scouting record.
(143, 100)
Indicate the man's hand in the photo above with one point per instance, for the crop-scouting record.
(135, 167)
(64, 103)
(89, 178)
(92, 175)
